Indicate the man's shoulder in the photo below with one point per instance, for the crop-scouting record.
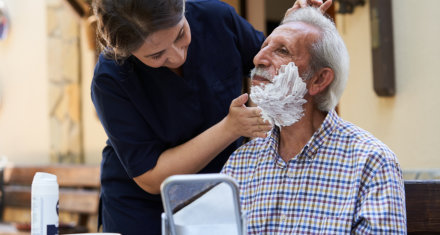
(363, 141)
(367, 153)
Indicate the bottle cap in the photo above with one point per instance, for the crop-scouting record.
(44, 183)
(43, 177)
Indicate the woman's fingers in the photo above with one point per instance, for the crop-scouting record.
(325, 6)
(315, 3)
(240, 101)
(264, 127)
(256, 124)
(255, 111)
(259, 120)
(246, 121)
(262, 130)
(261, 127)
(260, 135)
(322, 6)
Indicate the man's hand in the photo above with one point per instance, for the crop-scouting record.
(323, 7)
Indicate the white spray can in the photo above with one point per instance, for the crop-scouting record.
(44, 208)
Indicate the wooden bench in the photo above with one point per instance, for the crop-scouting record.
(423, 206)
(79, 187)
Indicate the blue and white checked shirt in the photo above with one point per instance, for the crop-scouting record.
(344, 181)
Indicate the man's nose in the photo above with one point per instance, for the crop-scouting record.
(262, 58)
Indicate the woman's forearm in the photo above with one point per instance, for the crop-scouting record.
(187, 158)
(193, 155)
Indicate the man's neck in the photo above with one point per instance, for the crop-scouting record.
(293, 138)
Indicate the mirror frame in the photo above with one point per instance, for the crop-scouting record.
(194, 178)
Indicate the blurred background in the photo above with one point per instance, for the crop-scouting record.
(48, 52)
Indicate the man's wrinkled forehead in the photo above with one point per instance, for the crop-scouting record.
(297, 30)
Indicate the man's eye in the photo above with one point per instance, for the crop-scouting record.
(283, 51)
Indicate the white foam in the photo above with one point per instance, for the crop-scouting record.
(282, 101)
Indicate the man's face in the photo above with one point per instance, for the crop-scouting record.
(281, 68)
(287, 43)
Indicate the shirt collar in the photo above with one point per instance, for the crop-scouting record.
(319, 137)
(273, 144)
(322, 134)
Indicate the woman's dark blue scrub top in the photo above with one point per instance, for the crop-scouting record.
(146, 111)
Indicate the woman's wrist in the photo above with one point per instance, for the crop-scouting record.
(228, 129)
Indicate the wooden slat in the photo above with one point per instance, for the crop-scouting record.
(17, 196)
(71, 200)
(79, 201)
(423, 206)
(68, 175)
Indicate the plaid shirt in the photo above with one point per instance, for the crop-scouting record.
(343, 181)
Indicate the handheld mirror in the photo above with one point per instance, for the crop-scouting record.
(201, 204)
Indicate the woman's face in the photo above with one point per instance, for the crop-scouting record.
(167, 47)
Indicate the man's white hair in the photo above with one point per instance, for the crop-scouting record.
(328, 51)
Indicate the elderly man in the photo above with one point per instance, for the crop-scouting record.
(315, 173)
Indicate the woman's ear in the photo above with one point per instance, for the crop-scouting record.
(322, 79)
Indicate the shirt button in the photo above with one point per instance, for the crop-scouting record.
(283, 218)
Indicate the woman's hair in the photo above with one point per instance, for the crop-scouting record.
(123, 25)
(328, 51)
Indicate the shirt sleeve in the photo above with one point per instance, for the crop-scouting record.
(381, 208)
(129, 134)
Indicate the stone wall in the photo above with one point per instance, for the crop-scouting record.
(64, 77)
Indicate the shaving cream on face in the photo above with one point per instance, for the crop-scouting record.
(282, 101)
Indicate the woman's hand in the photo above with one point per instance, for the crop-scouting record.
(323, 7)
(246, 121)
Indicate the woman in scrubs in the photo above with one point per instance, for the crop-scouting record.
(167, 91)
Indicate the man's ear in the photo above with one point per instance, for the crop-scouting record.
(322, 79)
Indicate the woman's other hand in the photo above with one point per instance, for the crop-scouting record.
(323, 7)
(246, 121)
